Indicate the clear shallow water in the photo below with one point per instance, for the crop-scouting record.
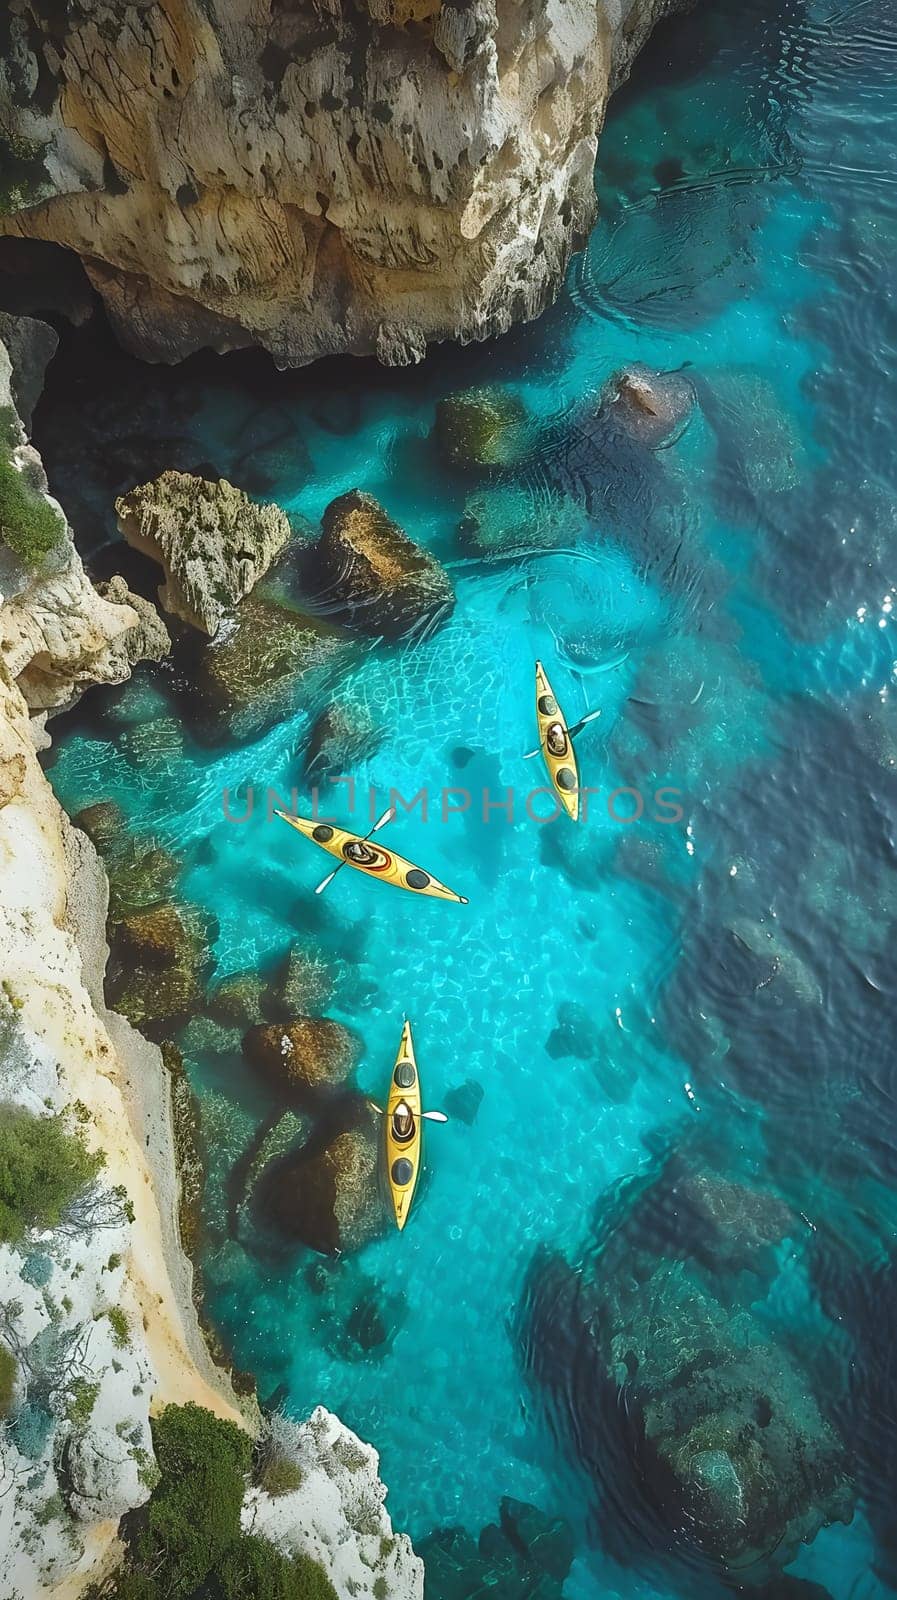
(730, 610)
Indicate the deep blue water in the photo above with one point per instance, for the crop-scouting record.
(728, 603)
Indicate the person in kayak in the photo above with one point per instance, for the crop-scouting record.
(359, 852)
(403, 1123)
(556, 739)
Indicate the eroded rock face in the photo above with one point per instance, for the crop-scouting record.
(57, 632)
(211, 540)
(319, 179)
(367, 566)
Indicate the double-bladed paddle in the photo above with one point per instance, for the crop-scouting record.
(380, 823)
(426, 1116)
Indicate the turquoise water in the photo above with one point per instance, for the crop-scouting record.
(729, 608)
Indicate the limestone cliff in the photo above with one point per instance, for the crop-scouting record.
(314, 176)
(97, 1323)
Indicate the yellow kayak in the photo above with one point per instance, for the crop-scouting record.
(553, 732)
(403, 1156)
(372, 858)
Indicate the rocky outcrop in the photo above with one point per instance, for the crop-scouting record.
(368, 570)
(304, 1055)
(313, 179)
(57, 632)
(212, 542)
(326, 1195)
(336, 1515)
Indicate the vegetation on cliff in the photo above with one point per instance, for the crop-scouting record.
(187, 1542)
(29, 524)
(42, 1168)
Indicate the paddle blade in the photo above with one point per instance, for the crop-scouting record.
(374, 1107)
(578, 727)
(329, 879)
(434, 1116)
(530, 753)
(387, 816)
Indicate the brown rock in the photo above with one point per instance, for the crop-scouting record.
(327, 1194)
(273, 661)
(165, 935)
(303, 1056)
(365, 563)
(647, 405)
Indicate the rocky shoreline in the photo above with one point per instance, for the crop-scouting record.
(99, 1327)
(321, 179)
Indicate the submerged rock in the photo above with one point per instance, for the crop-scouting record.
(356, 1317)
(160, 957)
(482, 429)
(343, 736)
(271, 661)
(686, 1411)
(237, 999)
(463, 1103)
(649, 406)
(367, 567)
(577, 1034)
(758, 440)
(211, 540)
(327, 1194)
(304, 1055)
(511, 518)
(303, 983)
(525, 1554)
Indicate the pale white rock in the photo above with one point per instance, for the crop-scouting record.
(337, 1515)
(316, 178)
(212, 542)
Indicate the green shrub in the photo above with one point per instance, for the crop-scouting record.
(255, 1570)
(42, 1168)
(121, 1328)
(280, 1476)
(81, 1401)
(194, 1515)
(187, 1543)
(28, 523)
(8, 1369)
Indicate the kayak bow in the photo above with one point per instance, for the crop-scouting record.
(373, 859)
